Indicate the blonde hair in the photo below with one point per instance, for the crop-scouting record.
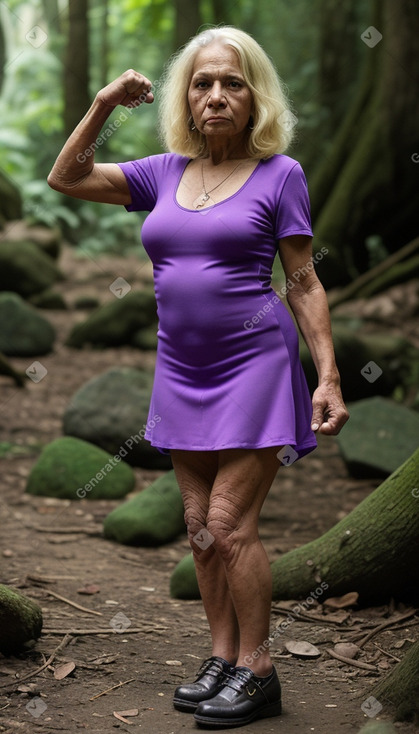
(273, 121)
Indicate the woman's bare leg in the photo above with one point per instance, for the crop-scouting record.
(195, 472)
(243, 480)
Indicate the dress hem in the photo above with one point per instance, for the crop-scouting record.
(303, 449)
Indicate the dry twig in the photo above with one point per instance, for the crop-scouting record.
(60, 647)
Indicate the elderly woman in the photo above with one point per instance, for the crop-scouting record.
(229, 389)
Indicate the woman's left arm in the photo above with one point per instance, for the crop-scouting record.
(307, 299)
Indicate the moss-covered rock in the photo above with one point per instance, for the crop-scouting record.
(49, 299)
(24, 332)
(20, 621)
(111, 411)
(145, 338)
(86, 302)
(396, 358)
(46, 239)
(8, 370)
(116, 322)
(69, 468)
(25, 269)
(378, 438)
(183, 581)
(151, 518)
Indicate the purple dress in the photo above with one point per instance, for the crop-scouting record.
(228, 373)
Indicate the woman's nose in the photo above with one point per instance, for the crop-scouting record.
(216, 96)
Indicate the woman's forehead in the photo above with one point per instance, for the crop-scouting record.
(216, 55)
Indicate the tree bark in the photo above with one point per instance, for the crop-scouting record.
(188, 19)
(76, 66)
(373, 550)
(367, 183)
(338, 57)
(401, 687)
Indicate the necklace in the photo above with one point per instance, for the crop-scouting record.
(200, 200)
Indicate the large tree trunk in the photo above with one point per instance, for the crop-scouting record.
(373, 551)
(188, 19)
(367, 183)
(338, 58)
(401, 687)
(76, 66)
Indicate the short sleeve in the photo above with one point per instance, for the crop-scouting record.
(142, 183)
(292, 215)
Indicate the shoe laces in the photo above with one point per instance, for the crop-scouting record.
(212, 666)
(238, 679)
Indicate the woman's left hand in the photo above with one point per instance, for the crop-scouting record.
(329, 411)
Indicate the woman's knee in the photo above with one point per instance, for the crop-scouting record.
(228, 530)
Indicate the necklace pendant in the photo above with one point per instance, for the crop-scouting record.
(200, 200)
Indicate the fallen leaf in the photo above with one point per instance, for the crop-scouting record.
(61, 671)
(400, 643)
(28, 688)
(347, 649)
(302, 649)
(340, 602)
(338, 616)
(89, 589)
(120, 715)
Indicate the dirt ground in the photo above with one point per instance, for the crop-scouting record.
(51, 547)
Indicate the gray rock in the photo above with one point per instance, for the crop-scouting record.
(49, 299)
(46, 238)
(24, 332)
(111, 411)
(393, 360)
(379, 436)
(25, 269)
(116, 322)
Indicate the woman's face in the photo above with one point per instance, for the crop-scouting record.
(219, 99)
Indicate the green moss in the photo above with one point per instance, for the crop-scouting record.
(151, 518)
(20, 620)
(70, 468)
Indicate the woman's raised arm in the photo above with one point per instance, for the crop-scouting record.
(74, 172)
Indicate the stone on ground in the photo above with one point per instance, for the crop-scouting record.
(111, 411)
(25, 269)
(69, 468)
(20, 621)
(49, 299)
(183, 582)
(46, 238)
(24, 332)
(151, 518)
(116, 322)
(379, 436)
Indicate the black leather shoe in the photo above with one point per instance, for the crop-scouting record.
(244, 698)
(210, 680)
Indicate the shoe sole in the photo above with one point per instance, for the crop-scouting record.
(211, 722)
(187, 706)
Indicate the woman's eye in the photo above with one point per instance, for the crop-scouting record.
(235, 85)
(201, 85)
